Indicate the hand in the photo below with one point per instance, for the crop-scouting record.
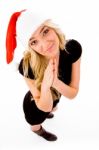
(48, 75)
(55, 70)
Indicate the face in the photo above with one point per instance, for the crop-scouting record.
(45, 42)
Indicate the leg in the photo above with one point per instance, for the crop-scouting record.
(35, 117)
(51, 115)
(39, 130)
(54, 109)
(35, 127)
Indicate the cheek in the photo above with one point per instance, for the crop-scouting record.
(51, 36)
(36, 49)
(54, 37)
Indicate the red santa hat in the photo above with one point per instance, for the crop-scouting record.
(22, 24)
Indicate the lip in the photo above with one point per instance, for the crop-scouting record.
(50, 48)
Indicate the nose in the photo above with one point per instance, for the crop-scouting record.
(44, 45)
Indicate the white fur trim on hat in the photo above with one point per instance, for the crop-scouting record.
(27, 23)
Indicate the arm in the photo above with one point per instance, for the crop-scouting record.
(45, 102)
(71, 90)
(42, 99)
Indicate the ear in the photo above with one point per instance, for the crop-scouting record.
(11, 36)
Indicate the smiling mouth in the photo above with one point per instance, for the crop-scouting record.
(50, 48)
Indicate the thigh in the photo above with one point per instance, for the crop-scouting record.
(33, 115)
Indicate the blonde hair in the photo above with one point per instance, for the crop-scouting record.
(38, 62)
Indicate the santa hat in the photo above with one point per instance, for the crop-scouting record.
(22, 24)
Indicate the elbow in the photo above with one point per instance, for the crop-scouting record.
(73, 94)
(72, 97)
(44, 107)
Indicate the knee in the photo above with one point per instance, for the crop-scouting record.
(54, 109)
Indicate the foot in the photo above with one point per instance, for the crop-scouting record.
(46, 135)
(50, 115)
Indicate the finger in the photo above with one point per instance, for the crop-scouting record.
(50, 68)
(51, 61)
(56, 67)
(54, 63)
(51, 64)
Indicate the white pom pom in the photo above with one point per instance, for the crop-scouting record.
(13, 66)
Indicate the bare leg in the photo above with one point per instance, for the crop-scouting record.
(51, 115)
(35, 127)
(54, 109)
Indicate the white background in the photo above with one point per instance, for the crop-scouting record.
(76, 122)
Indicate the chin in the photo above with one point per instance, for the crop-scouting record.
(52, 55)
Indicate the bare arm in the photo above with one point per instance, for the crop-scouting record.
(45, 102)
(43, 98)
(71, 90)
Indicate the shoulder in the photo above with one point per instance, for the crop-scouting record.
(74, 50)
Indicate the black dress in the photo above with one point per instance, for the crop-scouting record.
(33, 114)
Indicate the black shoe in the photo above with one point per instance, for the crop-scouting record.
(50, 115)
(46, 135)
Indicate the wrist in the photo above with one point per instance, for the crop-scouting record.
(44, 87)
(55, 83)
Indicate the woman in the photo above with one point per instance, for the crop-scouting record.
(51, 68)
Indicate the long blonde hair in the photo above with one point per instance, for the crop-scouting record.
(38, 62)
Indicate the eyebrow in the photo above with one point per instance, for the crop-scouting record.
(42, 29)
(39, 32)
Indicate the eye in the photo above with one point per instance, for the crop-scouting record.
(45, 31)
(34, 42)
